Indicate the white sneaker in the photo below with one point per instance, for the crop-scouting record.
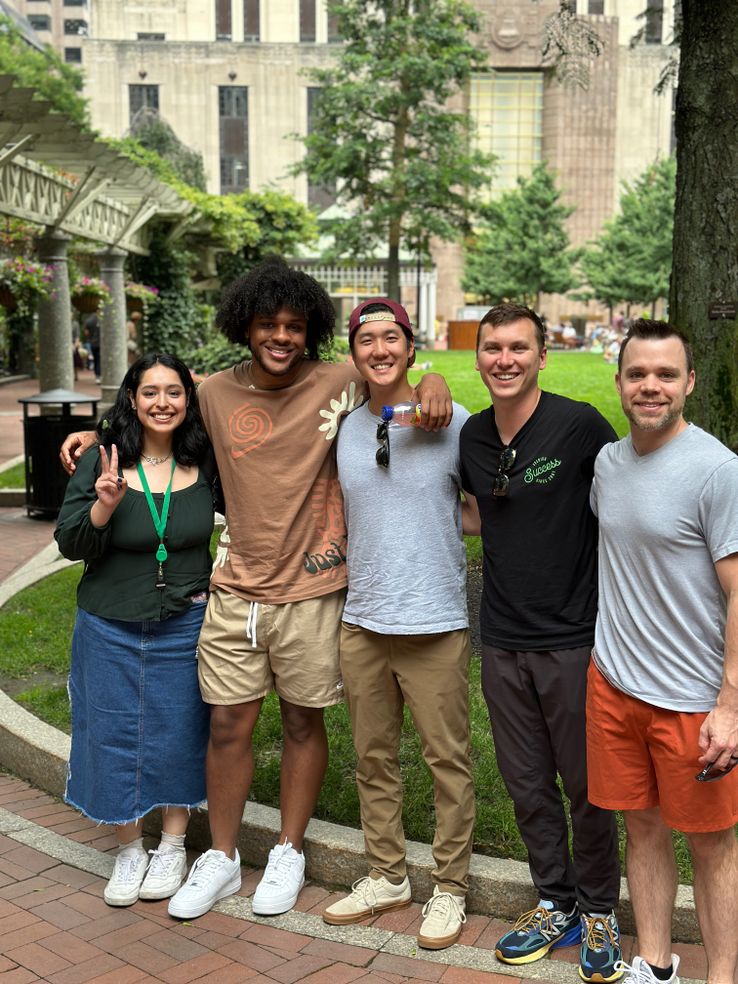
(213, 876)
(369, 897)
(128, 873)
(281, 882)
(165, 874)
(640, 973)
(444, 916)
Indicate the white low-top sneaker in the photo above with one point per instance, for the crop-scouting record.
(128, 873)
(281, 883)
(212, 877)
(165, 874)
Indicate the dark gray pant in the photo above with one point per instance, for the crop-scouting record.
(536, 704)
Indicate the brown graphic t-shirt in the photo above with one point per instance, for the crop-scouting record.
(285, 535)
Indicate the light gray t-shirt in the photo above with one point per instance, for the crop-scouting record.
(665, 519)
(406, 558)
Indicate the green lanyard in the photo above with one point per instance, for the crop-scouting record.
(160, 522)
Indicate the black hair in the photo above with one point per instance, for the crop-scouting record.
(506, 313)
(645, 328)
(264, 290)
(120, 424)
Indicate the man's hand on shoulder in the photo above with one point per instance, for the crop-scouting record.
(434, 396)
(74, 447)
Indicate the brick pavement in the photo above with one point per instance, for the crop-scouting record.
(55, 926)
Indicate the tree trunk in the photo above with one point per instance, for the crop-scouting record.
(393, 261)
(705, 257)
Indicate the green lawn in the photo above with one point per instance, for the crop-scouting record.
(580, 375)
(13, 478)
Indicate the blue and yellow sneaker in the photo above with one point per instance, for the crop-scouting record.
(538, 931)
(600, 957)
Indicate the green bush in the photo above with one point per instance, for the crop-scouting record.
(217, 353)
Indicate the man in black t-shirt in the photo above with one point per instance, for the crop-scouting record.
(529, 461)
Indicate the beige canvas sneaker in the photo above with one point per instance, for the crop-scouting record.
(444, 915)
(369, 897)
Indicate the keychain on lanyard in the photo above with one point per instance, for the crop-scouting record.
(160, 522)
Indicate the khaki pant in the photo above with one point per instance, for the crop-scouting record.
(429, 673)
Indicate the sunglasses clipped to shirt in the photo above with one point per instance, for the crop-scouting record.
(502, 479)
(383, 451)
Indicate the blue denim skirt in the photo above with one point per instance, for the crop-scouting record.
(139, 724)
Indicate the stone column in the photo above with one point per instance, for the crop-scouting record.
(55, 366)
(113, 334)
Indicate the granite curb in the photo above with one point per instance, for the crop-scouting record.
(37, 752)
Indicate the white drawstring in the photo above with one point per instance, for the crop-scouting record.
(251, 622)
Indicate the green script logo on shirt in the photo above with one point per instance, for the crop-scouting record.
(542, 471)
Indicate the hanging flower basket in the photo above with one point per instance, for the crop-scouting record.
(89, 293)
(139, 296)
(7, 298)
(22, 282)
(87, 303)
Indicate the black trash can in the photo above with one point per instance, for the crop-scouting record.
(43, 434)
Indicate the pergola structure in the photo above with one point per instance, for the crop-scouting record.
(74, 184)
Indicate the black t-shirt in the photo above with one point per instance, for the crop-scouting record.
(540, 541)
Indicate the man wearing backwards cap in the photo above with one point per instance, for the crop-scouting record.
(404, 638)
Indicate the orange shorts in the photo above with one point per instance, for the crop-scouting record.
(640, 757)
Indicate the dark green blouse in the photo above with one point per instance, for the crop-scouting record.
(121, 570)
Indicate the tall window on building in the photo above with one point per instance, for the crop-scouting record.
(142, 97)
(251, 20)
(73, 55)
(596, 7)
(40, 22)
(223, 20)
(319, 196)
(333, 34)
(233, 109)
(307, 20)
(654, 21)
(507, 108)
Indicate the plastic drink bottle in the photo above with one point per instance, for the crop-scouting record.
(402, 415)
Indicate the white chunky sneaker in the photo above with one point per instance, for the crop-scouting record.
(444, 915)
(128, 873)
(213, 876)
(165, 874)
(640, 973)
(369, 897)
(281, 882)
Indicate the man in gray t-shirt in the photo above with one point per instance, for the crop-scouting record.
(662, 699)
(404, 638)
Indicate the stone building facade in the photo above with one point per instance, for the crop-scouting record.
(228, 76)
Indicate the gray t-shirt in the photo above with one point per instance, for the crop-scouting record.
(665, 519)
(406, 558)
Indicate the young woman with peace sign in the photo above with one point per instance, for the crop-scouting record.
(139, 512)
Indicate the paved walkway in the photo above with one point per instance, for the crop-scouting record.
(55, 926)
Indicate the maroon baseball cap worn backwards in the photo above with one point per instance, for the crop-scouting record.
(396, 313)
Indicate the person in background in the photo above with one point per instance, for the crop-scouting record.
(139, 513)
